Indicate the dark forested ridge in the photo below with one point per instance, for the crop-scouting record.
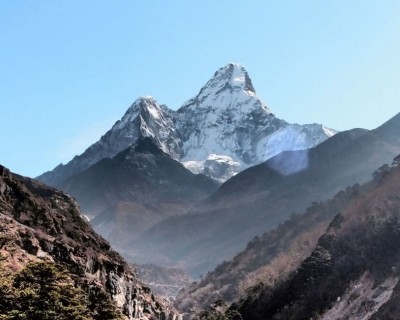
(351, 272)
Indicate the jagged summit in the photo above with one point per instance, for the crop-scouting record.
(229, 88)
(234, 77)
(143, 106)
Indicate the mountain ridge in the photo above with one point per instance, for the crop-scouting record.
(125, 195)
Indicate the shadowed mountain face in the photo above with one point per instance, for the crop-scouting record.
(39, 223)
(267, 258)
(261, 197)
(136, 189)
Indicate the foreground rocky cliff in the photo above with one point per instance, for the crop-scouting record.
(38, 223)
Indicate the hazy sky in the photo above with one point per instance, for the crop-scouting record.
(70, 69)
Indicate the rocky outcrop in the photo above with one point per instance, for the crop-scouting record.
(38, 222)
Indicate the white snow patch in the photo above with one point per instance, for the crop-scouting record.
(329, 132)
(154, 111)
(196, 167)
(221, 158)
(218, 167)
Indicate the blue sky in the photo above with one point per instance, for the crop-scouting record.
(70, 69)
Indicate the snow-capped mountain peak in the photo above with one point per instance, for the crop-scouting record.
(146, 118)
(226, 118)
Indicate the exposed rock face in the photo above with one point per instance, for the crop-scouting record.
(38, 222)
(226, 118)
